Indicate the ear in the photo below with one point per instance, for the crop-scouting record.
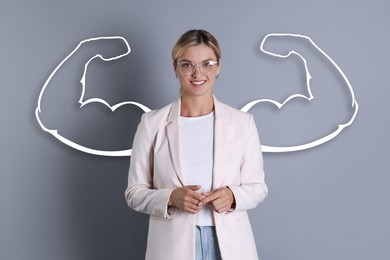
(175, 70)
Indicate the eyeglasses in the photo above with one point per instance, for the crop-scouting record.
(187, 68)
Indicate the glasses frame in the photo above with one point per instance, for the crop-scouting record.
(194, 66)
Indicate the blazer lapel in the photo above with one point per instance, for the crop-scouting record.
(173, 135)
(220, 127)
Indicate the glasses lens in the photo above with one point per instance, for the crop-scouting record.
(186, 68)
(206, 68)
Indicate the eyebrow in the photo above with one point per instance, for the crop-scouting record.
(201, 61)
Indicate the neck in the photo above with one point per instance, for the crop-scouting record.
(196, 106)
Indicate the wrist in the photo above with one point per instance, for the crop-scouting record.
(170, 200)
(233, 199)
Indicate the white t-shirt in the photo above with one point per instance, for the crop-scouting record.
(197, 147)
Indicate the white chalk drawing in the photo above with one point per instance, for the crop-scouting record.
(246, 108)
(309, 97)
(83, 102)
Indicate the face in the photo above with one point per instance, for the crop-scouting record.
(197, 84)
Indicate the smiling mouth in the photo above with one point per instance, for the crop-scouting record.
(198, 82)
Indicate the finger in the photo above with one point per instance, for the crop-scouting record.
(192, 192)
(197, 196)
(191, 207)
(222, 210)
(221, 206)
(210, 198)
(193, 197)
(220, 203)
(192, 201)
(194, 187)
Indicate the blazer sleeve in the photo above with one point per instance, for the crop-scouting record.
(252, 189)
(140, 194)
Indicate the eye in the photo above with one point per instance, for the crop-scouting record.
(186, 65)
(209, 63)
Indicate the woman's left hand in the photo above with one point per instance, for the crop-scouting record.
(221, 199)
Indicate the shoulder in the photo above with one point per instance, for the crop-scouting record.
(158, 114)
(232, 113)
(240, 123)
(155, 118)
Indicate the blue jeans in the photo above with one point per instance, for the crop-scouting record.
(206, 243)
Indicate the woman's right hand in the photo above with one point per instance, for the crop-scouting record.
(187, 199)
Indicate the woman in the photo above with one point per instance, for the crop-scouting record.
(196, 165)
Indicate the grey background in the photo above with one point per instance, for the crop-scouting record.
(329, 202)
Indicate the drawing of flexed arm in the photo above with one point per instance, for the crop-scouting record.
(64, 91)
(326, 87)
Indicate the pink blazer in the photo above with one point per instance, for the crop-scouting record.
(155, 171)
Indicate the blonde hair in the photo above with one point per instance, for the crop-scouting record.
(194, 38)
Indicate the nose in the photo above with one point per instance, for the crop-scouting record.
(196, 71)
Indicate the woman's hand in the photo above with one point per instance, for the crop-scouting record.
(187, 199)
(221, 199)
